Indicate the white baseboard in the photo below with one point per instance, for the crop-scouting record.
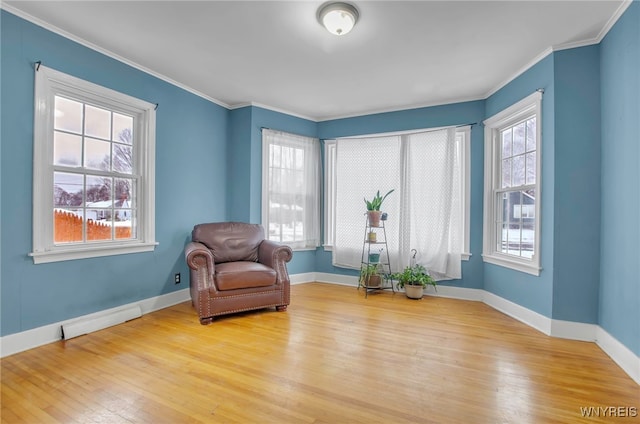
(527, 316)
(25, 340)
(573, 330)
(620, 354)
(461, 293)
(307, 277)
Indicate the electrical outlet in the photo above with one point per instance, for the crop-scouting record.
(176, 278)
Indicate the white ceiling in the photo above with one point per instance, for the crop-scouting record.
(275, 53)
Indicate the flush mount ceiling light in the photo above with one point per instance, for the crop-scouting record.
(338, 18)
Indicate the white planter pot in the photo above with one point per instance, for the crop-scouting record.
(414, 292)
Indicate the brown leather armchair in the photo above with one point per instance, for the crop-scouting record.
(233, 268)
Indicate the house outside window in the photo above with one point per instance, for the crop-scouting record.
(512, 187)
(291, 189)
(94, 152)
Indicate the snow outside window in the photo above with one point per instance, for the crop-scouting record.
(512, 187)
(291, 189)
(94, 152)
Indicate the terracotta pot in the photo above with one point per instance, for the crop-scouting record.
(374, 218)
(374, 281)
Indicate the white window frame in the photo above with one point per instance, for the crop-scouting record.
(524, 109)
(329, 193)
(463, 134)
(311, 238)
(48, 84)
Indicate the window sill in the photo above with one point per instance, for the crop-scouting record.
(85, 252)
(500, 260)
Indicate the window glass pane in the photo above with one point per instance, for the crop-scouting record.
(506, 143)
(99, 224)
(98, 192)
(97, 154)
(518, 170)
(122, 128)
(531, 168)
(531, 134)
(67, 225)
(506, 173)
(299, 159)
(287, 157)
(97, 122)
(67, 149)
(124, 193)
(517, 229)
(275, 156)
(68, 115)
(518, 138)
(67, 189)
(122, 158)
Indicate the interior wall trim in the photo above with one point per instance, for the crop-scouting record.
(628, 361)
(29, 339)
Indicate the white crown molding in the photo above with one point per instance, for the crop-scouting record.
(402, 108)
(582, 43)
(108, 53)
(273, 109)
(610, 23)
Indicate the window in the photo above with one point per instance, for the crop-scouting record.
(428, 210)
(512, 187)
(291, 189)
(93, 170)
(463, 146)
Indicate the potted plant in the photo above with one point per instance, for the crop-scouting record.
(373, 208)
(369, 276)
(414, 279)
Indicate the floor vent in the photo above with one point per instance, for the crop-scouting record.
(86, 326)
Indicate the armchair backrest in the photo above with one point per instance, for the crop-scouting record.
(230, 241)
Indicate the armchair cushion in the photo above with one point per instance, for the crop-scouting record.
(243, 274)
(230, 241)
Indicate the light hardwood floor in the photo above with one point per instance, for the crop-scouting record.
(333, 357)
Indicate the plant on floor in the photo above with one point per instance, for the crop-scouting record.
(415, 275)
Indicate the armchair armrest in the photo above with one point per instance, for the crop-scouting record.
(200, 260)
(275, 256)
(198, 256)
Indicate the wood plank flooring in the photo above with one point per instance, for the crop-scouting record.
(333, 357)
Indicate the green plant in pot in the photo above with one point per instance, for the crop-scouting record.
(414, 279)
(369, 276)
(373, 208)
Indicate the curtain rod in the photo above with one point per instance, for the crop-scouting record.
(286, 132)
(395, 133)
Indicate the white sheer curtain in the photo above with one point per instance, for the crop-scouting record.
(291, 188)
(424, 211)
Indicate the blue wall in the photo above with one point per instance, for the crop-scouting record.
(191, 145)
(620, 231)
(576, 273)
(209, 169)
(532, 292)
